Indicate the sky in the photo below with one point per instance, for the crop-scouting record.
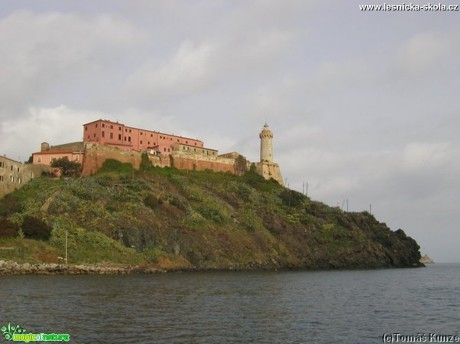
(364, 106)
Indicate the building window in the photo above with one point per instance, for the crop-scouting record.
(141, 142)
(186, 141)
(177, 140)
(103, 125)
(129, 139)
(111, 126)
(94, 135)
(1, 178)
(119, 128)
(86, 128)
(96, 125)
(125, 138)
(103, 134)
(111, 135)
(142, 133)
(119, 137)
(164, 149)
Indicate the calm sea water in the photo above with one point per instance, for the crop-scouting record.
(237, 307)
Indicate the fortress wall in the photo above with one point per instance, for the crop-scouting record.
(201, 163)
(96, 154)
(270, 170)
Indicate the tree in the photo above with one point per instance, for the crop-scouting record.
(35, 228)
(68, 168)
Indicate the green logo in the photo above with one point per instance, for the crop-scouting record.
(18, 334)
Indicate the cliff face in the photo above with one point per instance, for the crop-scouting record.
(206, 220)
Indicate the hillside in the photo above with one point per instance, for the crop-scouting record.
(176, 219)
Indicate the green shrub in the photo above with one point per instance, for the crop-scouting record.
(34, 228)
(115, 166)
(152, 201)
(7, 228)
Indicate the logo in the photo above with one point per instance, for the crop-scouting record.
(18, 334)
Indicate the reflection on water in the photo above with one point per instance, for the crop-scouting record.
(236, 307)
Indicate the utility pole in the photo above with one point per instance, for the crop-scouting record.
(66, 247)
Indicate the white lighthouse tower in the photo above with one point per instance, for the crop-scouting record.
(266, 167)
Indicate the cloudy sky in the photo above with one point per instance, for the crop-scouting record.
(365, 107)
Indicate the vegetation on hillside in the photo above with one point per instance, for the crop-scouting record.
(189, 219)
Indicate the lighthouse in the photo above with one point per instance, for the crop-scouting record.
(266, 167)
(266, 144)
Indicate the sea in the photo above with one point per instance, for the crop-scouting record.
(366, 306)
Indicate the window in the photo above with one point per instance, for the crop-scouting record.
(119, 128)
(94, 135)
(86, 128)
(111, 135)
(2, 164)
(177, 140)
(129, 139)
(96, 125)
(111, 126)
(1, 178)
(141, 142)
(103, 133)
(103, 125)
(125, 138)
(119, 137)
(186, 141)
(164, 149)
(142, 133)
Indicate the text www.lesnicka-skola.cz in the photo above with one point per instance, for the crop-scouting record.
(410, 7)
(420, 338)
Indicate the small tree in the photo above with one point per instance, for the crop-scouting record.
(68, 168)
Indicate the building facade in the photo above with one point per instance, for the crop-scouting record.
(73, 151)
(128, 138)
(14, 174)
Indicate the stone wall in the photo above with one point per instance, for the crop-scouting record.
(96, 154)
(201, 163)
(270, 171)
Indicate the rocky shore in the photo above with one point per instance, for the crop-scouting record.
(13, 268)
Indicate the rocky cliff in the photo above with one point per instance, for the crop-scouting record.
(175, 219)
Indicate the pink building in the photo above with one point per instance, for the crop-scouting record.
(128, 138)
(73, 152)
